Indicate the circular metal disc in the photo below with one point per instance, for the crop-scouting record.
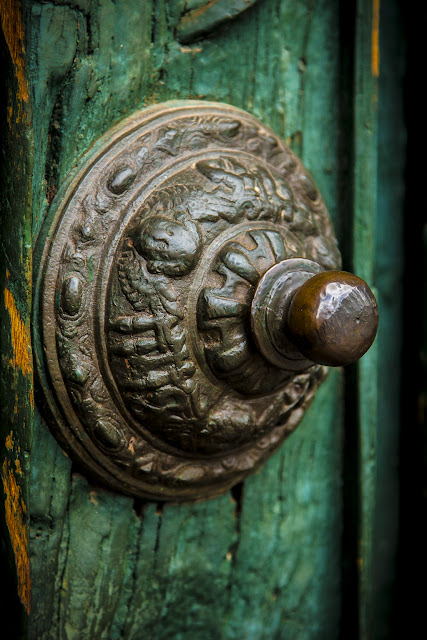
(148, 264)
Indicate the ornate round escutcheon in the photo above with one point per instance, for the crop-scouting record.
(158, 252)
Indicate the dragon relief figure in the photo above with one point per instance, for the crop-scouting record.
(196, 133)
(246, 191)
(251, 192)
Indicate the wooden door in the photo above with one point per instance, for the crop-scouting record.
(304, 548)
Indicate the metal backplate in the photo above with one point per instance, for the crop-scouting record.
(147, 271)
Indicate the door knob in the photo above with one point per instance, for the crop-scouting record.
(188, 297)
(299, 318)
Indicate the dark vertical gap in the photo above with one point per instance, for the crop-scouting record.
(349, 622)
(159, 514)
(409, 602)
(139, 507)
(53, 151)
(237, 495)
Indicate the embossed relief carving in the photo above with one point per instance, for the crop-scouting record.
(150, 367)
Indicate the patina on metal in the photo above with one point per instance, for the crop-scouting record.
(183, 303)
(302, 314)
(333, 318)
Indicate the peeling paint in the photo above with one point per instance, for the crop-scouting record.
(15, 511)
(20, 336)
(31, 397)
(11, 22)
(9, 442)
(375, 39)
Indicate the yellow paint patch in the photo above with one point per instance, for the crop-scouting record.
(9, 442)
(375, 39)
(31, 397)
(21, 339)
(15, 520)
(11, 22)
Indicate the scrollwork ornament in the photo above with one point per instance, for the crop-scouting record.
(146, 278)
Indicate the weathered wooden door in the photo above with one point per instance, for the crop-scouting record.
(304, 548)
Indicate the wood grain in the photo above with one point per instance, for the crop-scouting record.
(199, 570)
(264, 560)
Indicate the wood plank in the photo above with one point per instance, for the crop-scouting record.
(285, 581)
(377, 257)
(364, 225)
(388, 269)
(16, 372)
(265, 566)
(262, 564)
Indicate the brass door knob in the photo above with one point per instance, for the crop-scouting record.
(188, 296)
(302, 315)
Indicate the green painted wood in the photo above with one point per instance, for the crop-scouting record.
(16, 373)
(388, 275)
(263, 561)
(379, 167)
(193, 571)
(218, 569)
(204, 17)
(364, 225)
